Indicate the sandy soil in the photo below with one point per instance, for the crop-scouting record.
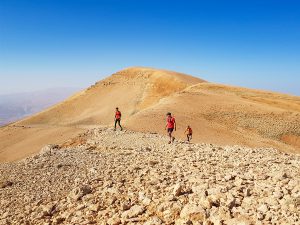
(19, 142)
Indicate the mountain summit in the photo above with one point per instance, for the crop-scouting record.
(132, 90)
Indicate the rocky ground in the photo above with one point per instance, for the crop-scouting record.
(107, 177)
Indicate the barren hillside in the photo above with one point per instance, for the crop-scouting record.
(218, 114)
(132, 90)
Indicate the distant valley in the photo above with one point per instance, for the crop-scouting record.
(17, 106)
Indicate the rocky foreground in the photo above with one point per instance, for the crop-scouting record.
(107, 177)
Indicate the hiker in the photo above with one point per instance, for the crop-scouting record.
(170, 126)
(189, 133)
(118, 118)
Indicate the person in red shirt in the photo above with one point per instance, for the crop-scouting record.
(170, 126)
(189, 133)
(118, 116)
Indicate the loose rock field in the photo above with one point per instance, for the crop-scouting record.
(126, 177)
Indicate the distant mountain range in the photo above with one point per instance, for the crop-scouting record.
(17, 106)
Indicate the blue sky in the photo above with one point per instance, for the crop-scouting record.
(74, 43)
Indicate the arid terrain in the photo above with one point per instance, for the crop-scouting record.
(67, 165)
(219, 114)
(209, 137)
(124, 177)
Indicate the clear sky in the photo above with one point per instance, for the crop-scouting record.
(74, 43)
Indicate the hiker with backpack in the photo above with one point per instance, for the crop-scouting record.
(118, 116)
(170, 126)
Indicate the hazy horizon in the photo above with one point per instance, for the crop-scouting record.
(16, 106)
(40, 90)
(50, 43)
(292, 91)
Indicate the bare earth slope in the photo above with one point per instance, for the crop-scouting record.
(217, 113)
(228, 115)
(17, 142)
(136, 178)
(132, 89)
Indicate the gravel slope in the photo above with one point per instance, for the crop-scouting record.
(107, 177)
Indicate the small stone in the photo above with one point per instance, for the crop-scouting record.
(177, 190)
(263, 208)
(193, 213)
(153, 163)
(260, 216)
(228, 177)
(205, 203)
(278, 194)
(153, 221)
(4, 215)
(59, 219)
(214, 200)
(148, 149)
(145, 200)
(45, 210)
(48, 149)
(231, 203)
(94, 207)
(115, 220)
(126, 206)
(79, 192)
(134, 211)
(4, 184)
(239, 221)
(280, 176)
(246, 192)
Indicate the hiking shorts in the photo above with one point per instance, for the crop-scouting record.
(170, 130)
